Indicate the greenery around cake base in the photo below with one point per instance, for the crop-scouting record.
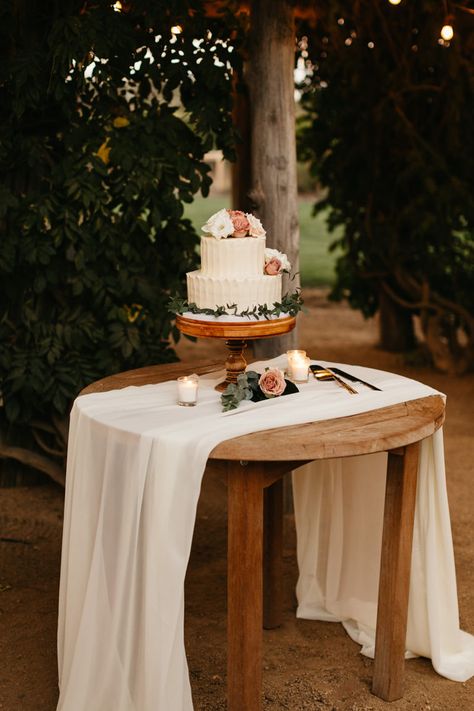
(290, 304)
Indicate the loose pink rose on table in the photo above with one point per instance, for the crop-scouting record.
(272, 382)
(240, 222)
(273, 267)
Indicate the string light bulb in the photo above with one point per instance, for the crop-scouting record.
(176, 30)
(447, 32)
(118, 7)
(394, 2)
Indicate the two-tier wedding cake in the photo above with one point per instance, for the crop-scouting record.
(236, 268)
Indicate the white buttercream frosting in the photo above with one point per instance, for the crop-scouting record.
(234, 257)
(246, 292)
(232, 272)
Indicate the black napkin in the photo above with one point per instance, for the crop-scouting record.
(290, 389)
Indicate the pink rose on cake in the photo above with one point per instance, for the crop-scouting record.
(276, 262)
(273, 267)
(272, 382)
(240, 222)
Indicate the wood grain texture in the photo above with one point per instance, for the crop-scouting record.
(150, 375)
(392, 610)
(374, 431)
(245, 586)
(274, 192)
(247, 330)
(273, 556)
(241, 167)
(235, 363)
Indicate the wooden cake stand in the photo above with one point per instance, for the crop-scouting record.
(236, 334)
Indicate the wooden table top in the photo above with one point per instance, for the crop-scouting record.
(376, 431)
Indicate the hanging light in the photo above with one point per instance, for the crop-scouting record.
(117, 6)
(447, 32)
(394, 2)
(176, 30)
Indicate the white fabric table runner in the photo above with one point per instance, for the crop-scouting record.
(135, 464)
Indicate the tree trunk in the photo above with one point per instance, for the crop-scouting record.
(272, 129)
(241, 167)
(395, 325)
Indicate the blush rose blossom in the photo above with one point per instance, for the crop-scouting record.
(276, 262)
(272, 382)
(273, 267)
(240, 223)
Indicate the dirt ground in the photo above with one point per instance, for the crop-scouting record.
(307, 665)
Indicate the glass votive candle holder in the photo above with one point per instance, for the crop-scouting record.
(300, 370)
(187, 390)
(293, 356)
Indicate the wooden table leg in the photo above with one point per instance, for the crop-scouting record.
(273, 556)
(400, 496)
(244, 587)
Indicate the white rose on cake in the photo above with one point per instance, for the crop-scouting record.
(276, 262)
(255, 226)
(219, 225)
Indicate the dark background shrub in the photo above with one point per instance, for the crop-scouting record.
(388, 131)
(105, 118)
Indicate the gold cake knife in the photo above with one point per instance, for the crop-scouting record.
(338, 380)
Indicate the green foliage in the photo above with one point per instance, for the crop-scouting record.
(243, 389)
(104, 121)
(247, 388)
(290, 304)
(388, 131)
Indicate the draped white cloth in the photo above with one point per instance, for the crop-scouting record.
(135, 464)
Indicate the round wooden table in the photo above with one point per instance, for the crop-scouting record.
(254, 466)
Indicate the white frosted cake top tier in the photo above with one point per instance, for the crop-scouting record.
(234, 257)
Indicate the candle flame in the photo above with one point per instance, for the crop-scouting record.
(447, 32)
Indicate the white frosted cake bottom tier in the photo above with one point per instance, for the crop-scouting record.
(209, 292)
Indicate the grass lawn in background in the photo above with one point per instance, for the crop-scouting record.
(316, 262)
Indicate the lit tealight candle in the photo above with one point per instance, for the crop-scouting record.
(293, 356)
(447, 32)
(187, 390)
(299, 369)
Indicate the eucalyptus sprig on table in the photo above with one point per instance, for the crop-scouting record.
(244, 389)
(249, 386)
(290, 304)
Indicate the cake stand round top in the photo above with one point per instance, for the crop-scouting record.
(242, 329)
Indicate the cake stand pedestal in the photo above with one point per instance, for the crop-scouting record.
(236, 335)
